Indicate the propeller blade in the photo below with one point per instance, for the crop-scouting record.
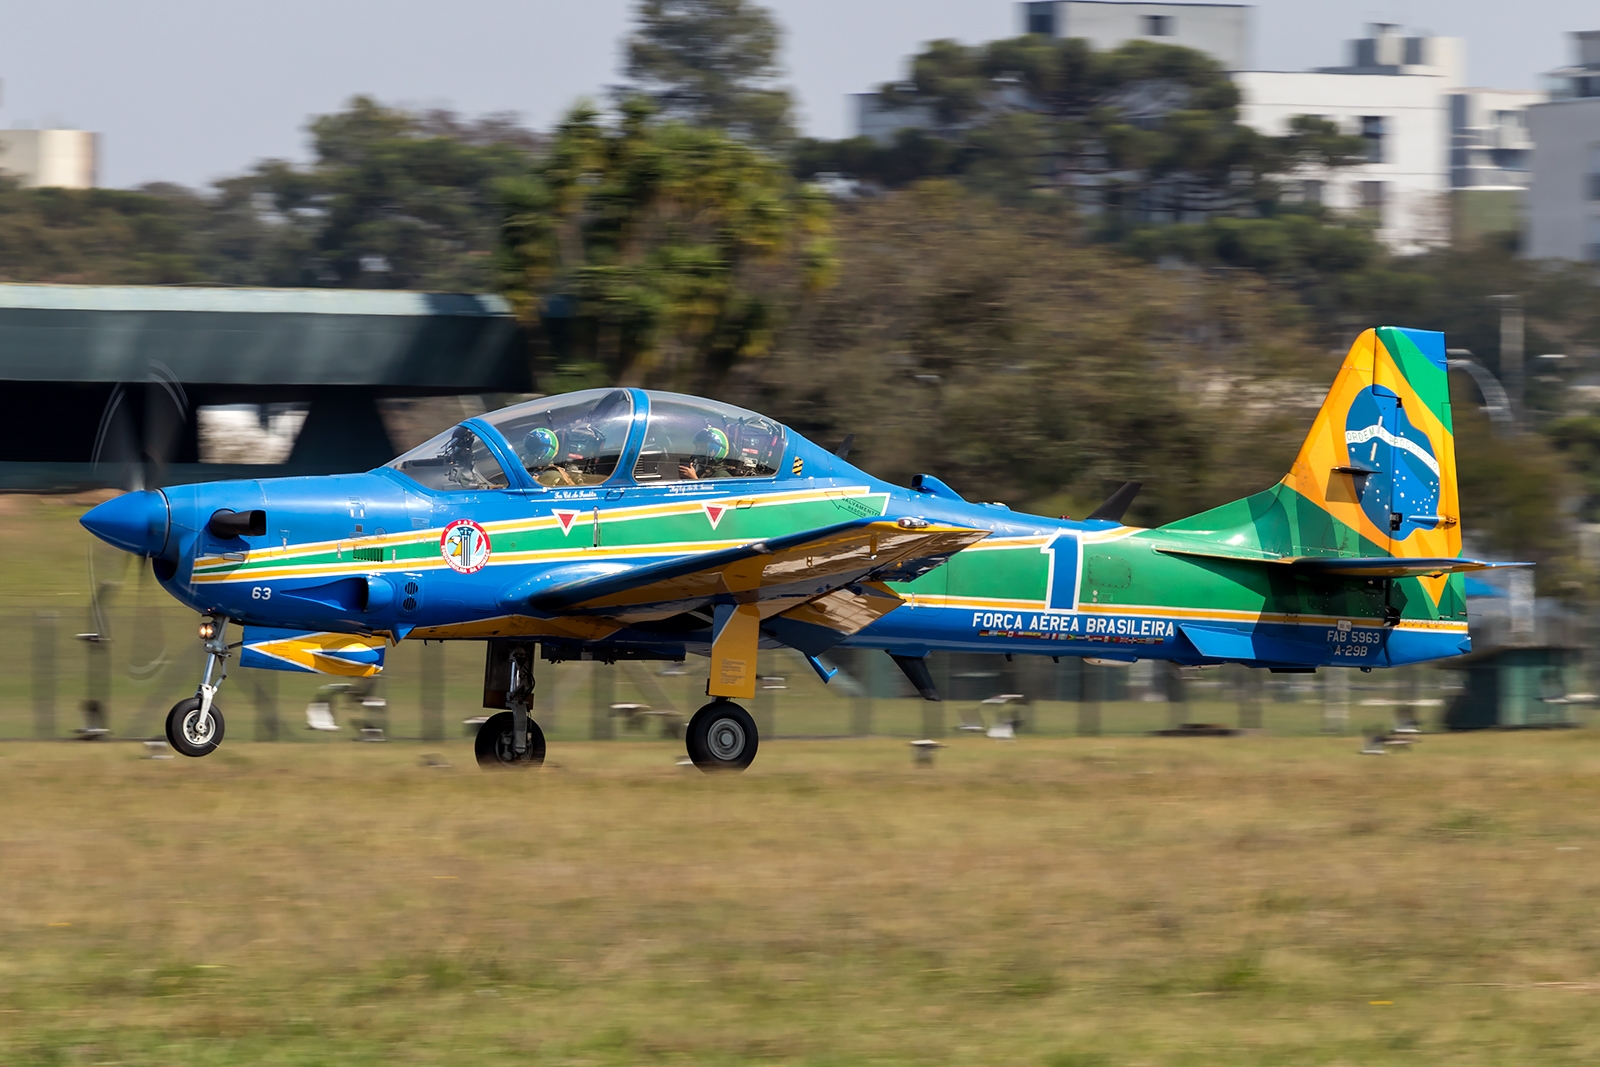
(147, 644)
(116, 446)
(107, 575)
(142, 430)
(166, 415)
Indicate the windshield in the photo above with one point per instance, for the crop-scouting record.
(691, 439)
(574, 439)
(455, 461)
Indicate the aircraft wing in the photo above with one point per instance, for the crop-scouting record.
(777, 573)
(827, 582)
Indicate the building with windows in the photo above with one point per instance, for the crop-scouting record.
(67, 159)
(1490, 153)
(1219, 30)
(1395, 92)
(1564, 198)
(1444, 161)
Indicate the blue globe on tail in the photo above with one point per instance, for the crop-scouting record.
(1405, 470)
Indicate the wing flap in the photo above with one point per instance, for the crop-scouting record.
(821, 623)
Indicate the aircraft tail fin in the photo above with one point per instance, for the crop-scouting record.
(1380, 459)
(1376, 476)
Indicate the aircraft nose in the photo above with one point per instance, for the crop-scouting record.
(133, 522)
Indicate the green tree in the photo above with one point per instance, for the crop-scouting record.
(394, 200)
(998, 350)
(711, 63)
(656, 251)
(1141, 132)
(100, 236)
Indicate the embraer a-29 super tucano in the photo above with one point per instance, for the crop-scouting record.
(619, 524)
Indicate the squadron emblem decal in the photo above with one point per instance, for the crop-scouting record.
(465, 546)
(714, 512)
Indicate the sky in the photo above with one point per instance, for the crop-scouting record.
(191, 91)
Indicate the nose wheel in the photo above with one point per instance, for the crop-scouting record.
(721, 737)
(195, 726)
(195, 730)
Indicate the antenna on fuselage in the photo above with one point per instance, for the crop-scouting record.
(843, 451)
(1117, 503)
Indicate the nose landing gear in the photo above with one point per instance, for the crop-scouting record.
(721, 737)
(195, 726)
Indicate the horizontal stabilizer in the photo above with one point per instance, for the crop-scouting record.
(1396, 566)
(1348, 566)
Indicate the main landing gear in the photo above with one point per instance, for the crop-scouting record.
(195, 726)
(510, 738)
(721, 737)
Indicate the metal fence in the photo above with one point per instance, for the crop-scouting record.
(67, 674)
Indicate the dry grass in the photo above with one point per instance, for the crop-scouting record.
(1134, 901)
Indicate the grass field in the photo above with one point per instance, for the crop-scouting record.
(1050, 902)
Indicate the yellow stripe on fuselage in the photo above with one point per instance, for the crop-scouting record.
(204, 566)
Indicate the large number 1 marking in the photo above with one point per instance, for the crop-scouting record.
(1061, 593)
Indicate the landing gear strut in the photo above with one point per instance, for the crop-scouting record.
(721, 737)
(195, 726)
(510, 738)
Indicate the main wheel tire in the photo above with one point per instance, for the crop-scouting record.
(191, 733)
(721, 737)
(494, 745)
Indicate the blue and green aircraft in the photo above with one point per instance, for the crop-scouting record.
(617, 524)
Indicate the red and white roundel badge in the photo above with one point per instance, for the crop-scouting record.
(465, 546)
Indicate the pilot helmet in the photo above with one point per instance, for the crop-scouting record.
(711, 443)
(541, 446)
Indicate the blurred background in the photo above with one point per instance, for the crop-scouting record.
(1058, 247)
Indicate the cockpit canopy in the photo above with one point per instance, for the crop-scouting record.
(456, 460)
(691, 439)
(580, 439)
(573, 439)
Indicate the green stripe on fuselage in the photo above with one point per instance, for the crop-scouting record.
(746, 518)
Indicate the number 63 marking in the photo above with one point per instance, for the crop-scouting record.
(261, 592)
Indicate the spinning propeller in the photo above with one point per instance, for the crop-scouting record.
(141, 431)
